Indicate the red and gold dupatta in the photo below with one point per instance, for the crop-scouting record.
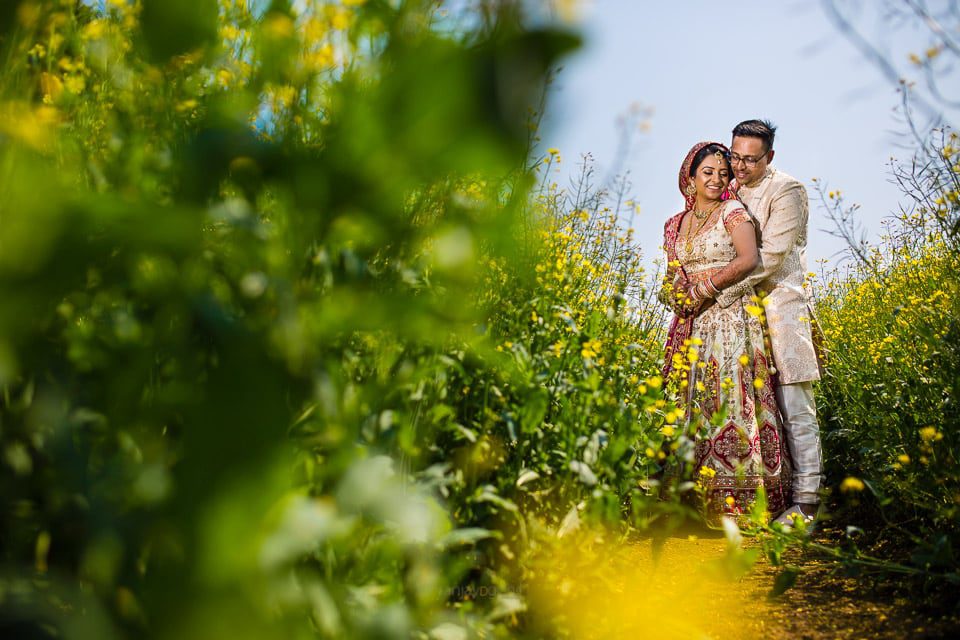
(681, 328)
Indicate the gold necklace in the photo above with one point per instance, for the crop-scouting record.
(700, 214)
(688, 244)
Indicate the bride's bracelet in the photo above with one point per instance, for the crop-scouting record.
(698, 292)
(704, 290)
(712, 288)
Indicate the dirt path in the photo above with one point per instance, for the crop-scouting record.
(690, 594)
(826, 604)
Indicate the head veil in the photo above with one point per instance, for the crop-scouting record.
(672, 228)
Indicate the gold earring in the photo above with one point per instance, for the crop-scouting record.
(691, 189)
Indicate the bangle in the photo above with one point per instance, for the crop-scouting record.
(712, 288)
(700, 292)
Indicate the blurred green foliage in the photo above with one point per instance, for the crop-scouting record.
(239, 248)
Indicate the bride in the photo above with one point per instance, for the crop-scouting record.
(717, 358)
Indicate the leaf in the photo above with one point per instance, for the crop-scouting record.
(883, 500)
(466, 432)
(732, 532)
(784, 581)
(571, 521)
(466, 536)
(534, 410)
(758, 511)
(938, 554)
(489, 494)
(587, 476)
(505, 605)
(172, 27)
(440, 412)
(448, 631)
(527, 475)
(598, 440)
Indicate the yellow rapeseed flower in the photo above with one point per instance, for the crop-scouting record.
(321, 59)
(279, 26)
(229, 32)
(94, 30)
(33, 127)
(51, 85)
(744, 360)
(224, 76)
(340, 19)
(851, 484)
(186, 105)
(75, 84)
(591, 348)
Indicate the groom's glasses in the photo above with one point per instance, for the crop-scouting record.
(747, 160)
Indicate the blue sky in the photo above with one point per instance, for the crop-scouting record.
(703, 66)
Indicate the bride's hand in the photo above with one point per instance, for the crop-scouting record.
(672, 294)
(680, 299)
(690, 305)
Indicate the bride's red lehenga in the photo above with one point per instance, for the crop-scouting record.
(733, 373)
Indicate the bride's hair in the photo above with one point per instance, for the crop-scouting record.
(710, 150)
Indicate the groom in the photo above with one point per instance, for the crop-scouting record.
(779, 202)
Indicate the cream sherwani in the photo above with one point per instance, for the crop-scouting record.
(779, 203)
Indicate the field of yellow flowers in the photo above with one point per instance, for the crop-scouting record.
(300, 340)
(889, 398)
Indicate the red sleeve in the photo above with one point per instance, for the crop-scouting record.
(734, 214)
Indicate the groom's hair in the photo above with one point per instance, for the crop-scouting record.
(763, 129)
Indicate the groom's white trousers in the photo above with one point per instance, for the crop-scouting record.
(802, 432)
